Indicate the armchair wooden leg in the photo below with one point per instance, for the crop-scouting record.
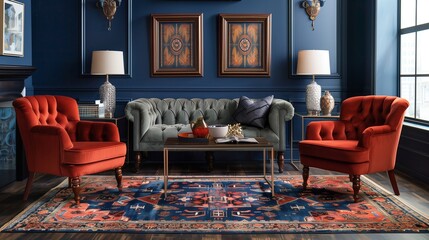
(28, 185)
(118, 175)
(138, 161)
(76, 189)
(393, 182)
(305, 174)
(281, 160)
(356, 187)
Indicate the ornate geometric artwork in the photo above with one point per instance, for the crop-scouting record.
(177, 42)
(245, 45)
(176, 45)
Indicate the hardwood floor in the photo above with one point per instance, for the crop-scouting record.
(11, 202)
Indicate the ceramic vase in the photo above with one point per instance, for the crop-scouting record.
(327, 103)
(199, 128)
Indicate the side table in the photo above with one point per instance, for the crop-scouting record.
(302, 118)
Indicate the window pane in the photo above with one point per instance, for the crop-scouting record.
(408, 58)
(408, 13)
(423, 52)
(408, 92)
(422, 14)
(422, 110)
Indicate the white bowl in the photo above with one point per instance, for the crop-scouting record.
(218, 130)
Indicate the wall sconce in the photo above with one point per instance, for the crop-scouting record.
(312, 8)
(109, 9)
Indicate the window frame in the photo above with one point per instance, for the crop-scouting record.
(413, 29)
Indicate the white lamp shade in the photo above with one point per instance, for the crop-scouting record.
(313, 62)
(107, 62)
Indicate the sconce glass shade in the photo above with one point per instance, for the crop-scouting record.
(107, 63)
(313, 62)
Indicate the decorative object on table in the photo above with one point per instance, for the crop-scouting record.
(107, 63)
(245, 45)
(253, 112)
(312, 8)
(235, 130)
(141, 208)
(218, 130)
(177, 45)
(90, 110)
(313, 62)
(12, 37)
(327, 103)
(199, 128)
(109, 9)
(190, 138)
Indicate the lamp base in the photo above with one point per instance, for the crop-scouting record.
(312, 98)
(108, 97)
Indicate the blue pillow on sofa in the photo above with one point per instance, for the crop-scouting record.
(253, 112)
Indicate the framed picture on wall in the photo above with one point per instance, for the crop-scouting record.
(245, 45)
(12, 37)
(177, 45)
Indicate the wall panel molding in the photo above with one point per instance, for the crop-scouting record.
(126, 6)
(291, 47)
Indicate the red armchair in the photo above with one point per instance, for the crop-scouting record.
(57, 142)
(364, 140)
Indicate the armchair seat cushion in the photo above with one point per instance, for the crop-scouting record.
(91, 152)
(346, 151)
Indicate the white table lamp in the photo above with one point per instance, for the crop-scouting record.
(107, 63)
(313, 62)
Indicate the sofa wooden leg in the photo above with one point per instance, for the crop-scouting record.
(305, 174)
(356, 187)
(28, 185)
(281, 160)
(209, 159)
(138, 161)
(393, 182)
(118, 175)
(76, 189)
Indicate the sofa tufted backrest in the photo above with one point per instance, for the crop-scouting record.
(361, 112)
(184, 111)
(46, 110)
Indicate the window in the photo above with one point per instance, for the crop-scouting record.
(414, 57)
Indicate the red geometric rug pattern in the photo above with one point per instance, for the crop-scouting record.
(220, 205)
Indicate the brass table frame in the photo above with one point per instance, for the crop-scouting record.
(173, 144)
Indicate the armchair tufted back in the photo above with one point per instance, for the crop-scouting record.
(361, 112)
(184, 111)
(46, 110)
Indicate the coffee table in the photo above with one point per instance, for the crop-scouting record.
(174, 144)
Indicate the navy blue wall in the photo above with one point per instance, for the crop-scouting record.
(57, 46)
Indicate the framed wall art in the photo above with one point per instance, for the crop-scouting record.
(245, 45)
(177, 45)
(12, 37)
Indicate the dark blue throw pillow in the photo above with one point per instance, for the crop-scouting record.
(253, 112)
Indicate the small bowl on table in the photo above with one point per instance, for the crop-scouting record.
(218, 130)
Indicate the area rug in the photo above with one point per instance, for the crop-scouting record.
(219, 205)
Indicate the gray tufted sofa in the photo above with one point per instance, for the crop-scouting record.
(155, 120)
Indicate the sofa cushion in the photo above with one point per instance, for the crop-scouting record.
(253, 112)
(160, 132)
